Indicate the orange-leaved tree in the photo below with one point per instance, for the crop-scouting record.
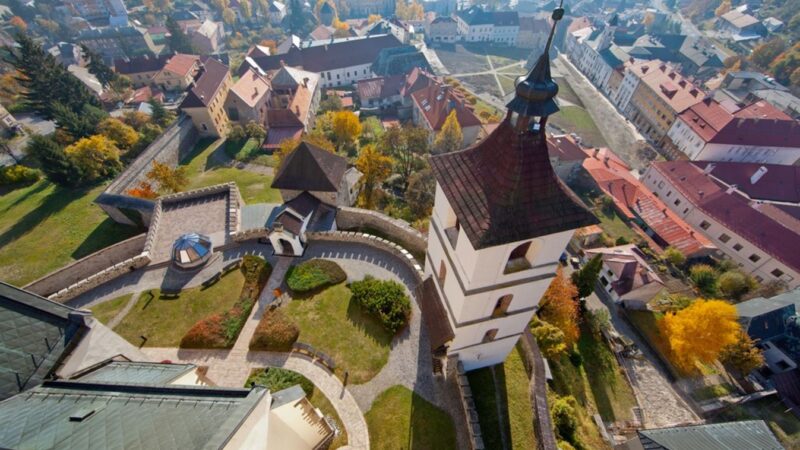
(169, 180)
(143, 190)
(699, 332)
(560, 309)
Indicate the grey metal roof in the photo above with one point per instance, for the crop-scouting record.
(65, 414)
(35, 335)
(749, 434)
(134, 372)
(758, 306)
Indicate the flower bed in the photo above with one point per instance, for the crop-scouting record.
(221, 330)
(313, 275)
(275, 333)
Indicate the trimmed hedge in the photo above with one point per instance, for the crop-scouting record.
(275, 333)
(314, 274)
(384, 299)
(221, 330)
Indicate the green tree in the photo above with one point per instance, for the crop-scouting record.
(743, 355)
(765, 53)
(236, 133)
(169, 179)
(704, 278)
(97, 67)
(674, 256)
(407, 145)
(44, 80)
(449, 138)
(122, 135)
(178, 41)
(54, 162)
(733, 284)
(565, 419)
(420, 193)
(161, 116)
(550, 339)
(79, 124)
(330, 103)
(586, 278)
(255, 130)
(228, 16)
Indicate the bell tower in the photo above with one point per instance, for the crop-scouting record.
(500, 221)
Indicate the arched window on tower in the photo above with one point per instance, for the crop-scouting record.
(519, 258)
(442, 273)
(501, 307)
(489, 336)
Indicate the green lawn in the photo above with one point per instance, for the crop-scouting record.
(316, 397)
(614, 226)
(574, 119)
(715, 391)
(401, 419)
(566, 92)
(165, 320)
(204, 169)
(44, 227)
(780, 420)
(109, 309)
(333, 324)
(518, 422)
(612, 394)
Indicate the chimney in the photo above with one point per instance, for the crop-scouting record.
(731, 189)
(662, 67)
(645, 69)
(305, 82)
(297, 110)
(758, 174)
(605, 160)
(596, 152)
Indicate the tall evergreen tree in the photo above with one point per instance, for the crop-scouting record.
(97, 67)
(297, 18)
(78, 124)
(54, 162)
(586, 278)
(45, 80)
(178, 40)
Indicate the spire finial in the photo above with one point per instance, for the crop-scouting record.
(557, 15)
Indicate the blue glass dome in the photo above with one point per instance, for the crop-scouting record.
(191, 250)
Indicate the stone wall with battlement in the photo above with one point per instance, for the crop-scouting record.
(87, 266)
(357, 219)
(104, 276)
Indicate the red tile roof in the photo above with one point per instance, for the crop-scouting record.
(565, 148)
(632, 199)
(417, 79)
(503, 189)
(380, 87)
(181, 64)
(779, 183)
(669, 85)
(757, 124)
(753, 222)
(436, 102)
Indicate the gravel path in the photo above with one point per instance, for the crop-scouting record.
(121, 315)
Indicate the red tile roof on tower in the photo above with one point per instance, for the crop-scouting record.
(766, 226)
(759, 124)
(632, 200)
(436, 101)
(503, 190)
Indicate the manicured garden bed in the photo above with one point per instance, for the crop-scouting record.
(165, 320)
(275, 333)
(385, 300)
(220, 330)
(314, 274)
(276, 379)
(109, 309)
(337, 326)
(401, 419)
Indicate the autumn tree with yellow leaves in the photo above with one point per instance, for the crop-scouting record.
(346, 128)
(700, 332)
(375, 167)
(449, 138)
(97, 157)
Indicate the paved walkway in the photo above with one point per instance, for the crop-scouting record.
(231, 368)
(121, 315)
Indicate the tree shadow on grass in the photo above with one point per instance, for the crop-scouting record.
(362, 320)
(106, 233)
(8, 189)
(59, 199)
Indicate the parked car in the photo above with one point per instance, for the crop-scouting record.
(576, 263)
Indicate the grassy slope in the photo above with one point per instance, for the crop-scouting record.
(518, 423)
(574, 119)
(357, 342)
(165, 321)
(44, 227)
(205, 170)
(107, 310)
(401, 419)
(614, 226)
(610, 390)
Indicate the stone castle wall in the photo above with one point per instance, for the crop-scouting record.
(357, 219)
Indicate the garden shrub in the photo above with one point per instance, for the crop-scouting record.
(221, 330)
(277, 379)
(314, 274)
(565, 418)
(275, 332)
(18, 174)
(704, 278)
(386, 300)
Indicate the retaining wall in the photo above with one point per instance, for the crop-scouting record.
(400, 231)
(87, 266)
(104, 276)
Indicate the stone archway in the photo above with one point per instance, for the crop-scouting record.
(287, 249)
